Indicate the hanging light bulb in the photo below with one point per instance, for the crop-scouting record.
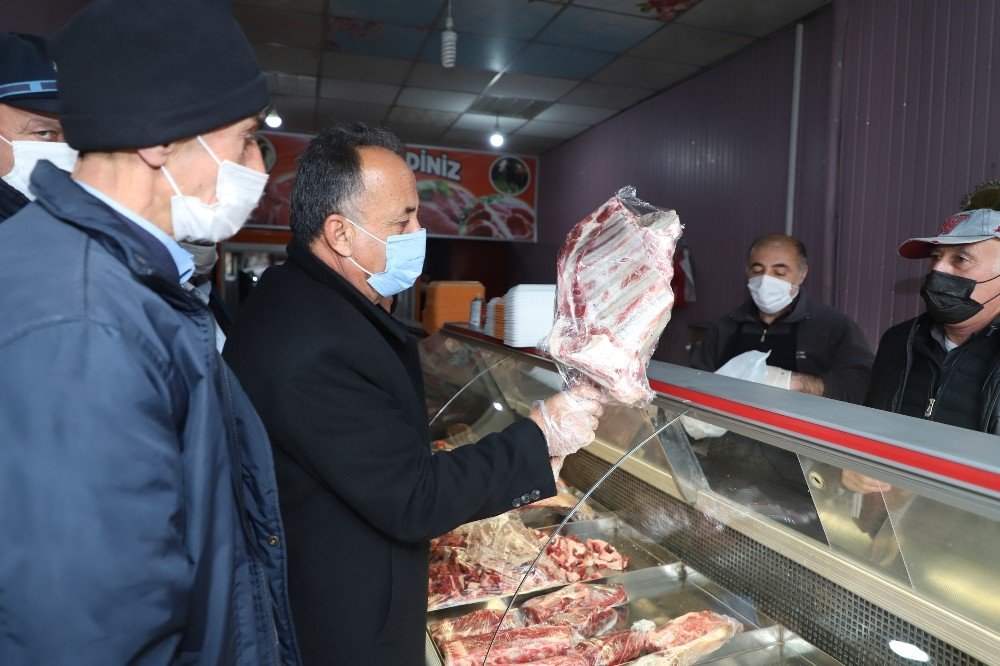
(449, 41)
(272, 119)
(497, 138)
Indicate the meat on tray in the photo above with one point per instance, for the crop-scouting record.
(613, 649)
(694, 635)
(514, 646)
(614, 297)
(581, 560)
(571, 659)
(475, 623)
(500, 216)
(443, 206)
(586, 622)
(573, 597)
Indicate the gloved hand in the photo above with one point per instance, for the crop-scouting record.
(568, 419)
(557, 464)
(778, 377)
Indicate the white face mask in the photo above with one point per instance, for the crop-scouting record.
(771, 294)
(26, 156)
(238, 189)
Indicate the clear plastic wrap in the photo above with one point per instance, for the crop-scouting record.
(568, 420)
(514, 646)
(689, 637)
(614, 296)
(475, 623)
(616, 648)
(573, 597)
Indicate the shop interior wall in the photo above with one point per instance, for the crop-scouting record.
(714, 148)
(921, 94)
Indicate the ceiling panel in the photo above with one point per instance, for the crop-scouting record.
(428, 98)
(358, 91)
(559, 61)
(465, 138)
(335, 109)
(757, 18)
(288, 59)
(310, 6)
(297, 113)
(365, 68)
(488, 52)
(604, 95)
(552, 130)
(531, 87)
(690, 45)
(280, 83)
(426, 75)
(481, 123)
(388, 11)
(572, 113)
(416, 133)
(641, 73)
(283, 27)
(428, 117)
(495, 17)
(653, 10)
(584, 28)
(349, 35)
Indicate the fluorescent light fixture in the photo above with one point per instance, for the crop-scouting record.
(908, 651)
(449, 41)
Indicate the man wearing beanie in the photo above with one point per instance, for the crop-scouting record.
(136, 481)
(29, 118)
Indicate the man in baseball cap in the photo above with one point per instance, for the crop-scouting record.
(939, 366)
(136, 475)
(29, 118)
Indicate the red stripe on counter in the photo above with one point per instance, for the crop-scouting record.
(939, 466)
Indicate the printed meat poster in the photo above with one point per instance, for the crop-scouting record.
(463, 193)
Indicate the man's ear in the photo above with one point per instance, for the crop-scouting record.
(156, 156)
(805, 272)
(338, 234)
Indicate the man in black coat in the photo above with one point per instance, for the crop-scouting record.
(815, 348)
(337, 382)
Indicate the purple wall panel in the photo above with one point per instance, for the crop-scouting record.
(714, 148)
(920, 82)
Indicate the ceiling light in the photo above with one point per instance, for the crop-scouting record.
(908, 651)
(449, 41)
(497, 406)
(272, 119)
(497, 138)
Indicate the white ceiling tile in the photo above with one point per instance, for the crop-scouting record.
(358, 91)
(690, 45)
(280, 83)
(409, 116)
(641, 73)
(351, 67)
(482, 123)
(573, 113)
(757, 18)
(332, 109)
(604, 95)
(531, 87)
(443, 100)
(470, 139)
(415, 133)
(551, 130)
(272, 26)
(430, 75)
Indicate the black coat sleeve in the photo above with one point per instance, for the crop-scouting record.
(354, 436)
(850, 366)
(706, 357)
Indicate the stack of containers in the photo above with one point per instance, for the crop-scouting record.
(498, 316)
(491, 315)
(529, 312)
(449, 300)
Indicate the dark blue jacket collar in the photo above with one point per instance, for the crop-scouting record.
(11, 201)
(136, 248)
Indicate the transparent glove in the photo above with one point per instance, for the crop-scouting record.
(778, 377)
(557, 464)
(568, 419)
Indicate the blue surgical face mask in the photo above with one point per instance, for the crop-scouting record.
(404, 261)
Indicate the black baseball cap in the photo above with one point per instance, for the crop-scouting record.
(27, 73)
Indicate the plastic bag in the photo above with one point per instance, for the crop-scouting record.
(613, 296)
(475, 623)
(750, 366)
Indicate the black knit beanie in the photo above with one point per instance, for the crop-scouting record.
(140, 73)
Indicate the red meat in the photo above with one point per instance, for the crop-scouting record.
(571, 597)
(515, 646)
(613, 649)
(474, 624)
(499, 216)
(443, 206)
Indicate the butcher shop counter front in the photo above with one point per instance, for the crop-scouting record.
(720, 499)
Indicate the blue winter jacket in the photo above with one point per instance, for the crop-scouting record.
(137, 495)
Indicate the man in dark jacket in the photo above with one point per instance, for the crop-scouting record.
(337, 382)
(29, 118)
(816, 349)
(136, 481)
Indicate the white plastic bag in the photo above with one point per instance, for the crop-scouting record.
(750, 366)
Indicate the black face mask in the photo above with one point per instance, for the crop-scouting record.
(949, 297)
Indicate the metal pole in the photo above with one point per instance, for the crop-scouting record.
(793, 139)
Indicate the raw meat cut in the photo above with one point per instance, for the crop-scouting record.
(571, 659)
(515, 646)
(693, 635)
(611, 650)
(584, 560)
(571, 597)
(614, 297)
(587, 622)
(474, 624)
(499, 216)
(443, 206)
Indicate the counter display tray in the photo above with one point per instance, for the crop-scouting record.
(663, 592)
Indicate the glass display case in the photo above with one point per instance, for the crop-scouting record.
(824, 532)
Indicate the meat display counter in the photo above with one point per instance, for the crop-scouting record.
(828, 532)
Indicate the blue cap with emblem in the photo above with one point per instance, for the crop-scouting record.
(27, 73)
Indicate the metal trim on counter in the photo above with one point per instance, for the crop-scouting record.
(968, 636)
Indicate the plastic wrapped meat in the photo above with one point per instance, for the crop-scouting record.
(687, 638)
(573, 597)
(476, 623)
(571, 659)
(613, 649)
(516, 646)
(614, 296)
(587, 622)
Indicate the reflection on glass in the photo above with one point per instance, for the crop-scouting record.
(950, 554)
(855, 522)
(763, 478)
